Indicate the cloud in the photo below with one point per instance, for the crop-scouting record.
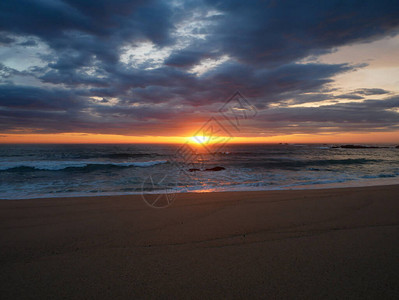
(78, 80)
(7, 72)
(5, 40)
(370, 115)
(38, 98)
(28, 43)
(187, 58)
(349, 96)
(276, 32)
(371, 91)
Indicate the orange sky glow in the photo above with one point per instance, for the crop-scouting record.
(83, 138)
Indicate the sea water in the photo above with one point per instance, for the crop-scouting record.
(31, 171)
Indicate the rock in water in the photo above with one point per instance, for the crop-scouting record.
(215, 169)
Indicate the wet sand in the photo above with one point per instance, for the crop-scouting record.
(294, 244)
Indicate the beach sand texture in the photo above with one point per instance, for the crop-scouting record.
(299, 244)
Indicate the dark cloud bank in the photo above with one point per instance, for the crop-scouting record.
(83, 85)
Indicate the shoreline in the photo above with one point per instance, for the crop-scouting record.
(335, 185)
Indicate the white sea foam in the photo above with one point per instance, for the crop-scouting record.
(61, 165)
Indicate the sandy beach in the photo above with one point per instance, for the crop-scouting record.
(297, 244)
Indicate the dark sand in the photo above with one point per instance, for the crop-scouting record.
(318, 244)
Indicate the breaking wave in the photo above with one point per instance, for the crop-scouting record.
(68, 165)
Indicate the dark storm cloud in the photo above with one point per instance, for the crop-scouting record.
(28, 43)
(6, 72)
(33, 97)
(276, 32)
(360, 93)
(5, 40)
(370, 115)
(264, 40)
(349, 96)
(187, 58)
(52, 20)
(264, 86)
(371, 92)
(72, 78)
(87, 28)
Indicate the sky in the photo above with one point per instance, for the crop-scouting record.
(155, 71)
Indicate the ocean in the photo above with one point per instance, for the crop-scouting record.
(34, 171)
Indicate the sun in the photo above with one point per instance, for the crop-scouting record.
(200, 139)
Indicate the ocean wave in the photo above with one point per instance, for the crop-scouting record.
(78, 156)
(64, 165)
(130, 155)
(384, 175)
(293, 163)
(117, 155)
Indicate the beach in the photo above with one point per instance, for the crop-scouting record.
(302, 244)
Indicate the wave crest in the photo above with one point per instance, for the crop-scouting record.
(63, 165)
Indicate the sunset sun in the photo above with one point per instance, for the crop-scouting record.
(200, 139)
